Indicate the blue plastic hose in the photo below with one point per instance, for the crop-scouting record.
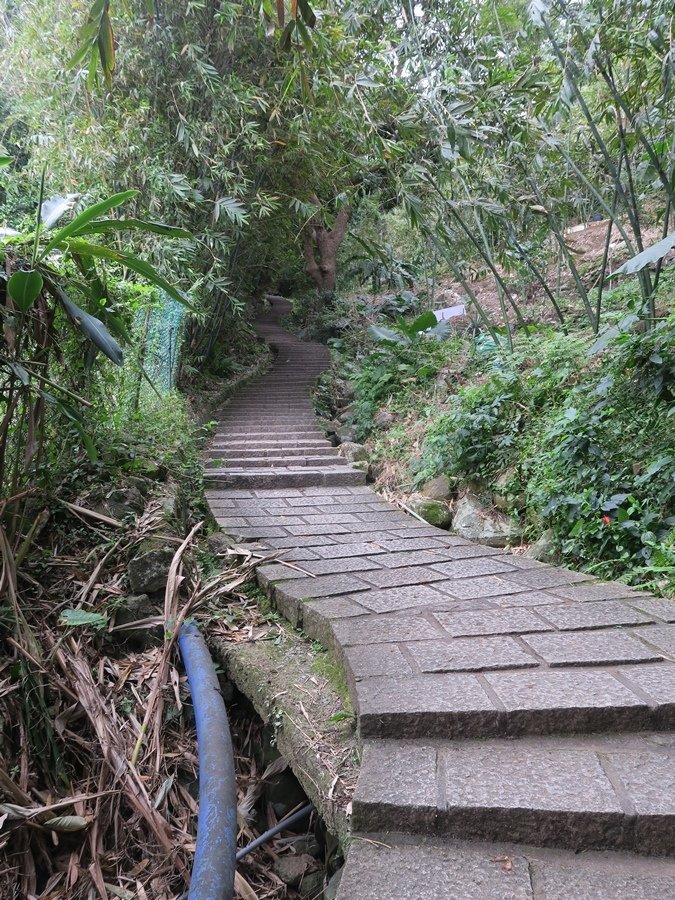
(214, 864)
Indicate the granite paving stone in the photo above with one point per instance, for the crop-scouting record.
(525, 598)
(656, 607)
(448, 705)
(384, 578)
(542, 796)
(409, 557)
(358, 548)
(398, 598)
(568, 701)
(660, 636)
(322, 586)
(590, 648)
(470, 654)
(396, 776)
(607, 590)
(377, 659)
(470, 566)
(349, 564)
(574, 882)
(481, 586)
(499, 621)
(375, 629)
(380, 870)
(598, 614)
(549, 577)
(657, 682)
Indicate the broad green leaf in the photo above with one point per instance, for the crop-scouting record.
(94, 329)
(650, 255)
(422, 323)
(5, 161)
(105, 226)
(85, 248)
(24, 288)
(86, 216)
(75, 617)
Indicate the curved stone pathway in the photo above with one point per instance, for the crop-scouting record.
(511, 714)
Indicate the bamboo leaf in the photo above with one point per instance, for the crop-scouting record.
(307, 13)
(5, 161)
(105, 226)
(68, 823)
(86, 249)
(74, 618)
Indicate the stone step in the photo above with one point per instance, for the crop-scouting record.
(218, 460)
(280, 444)
(387, 866)
(277, 478)
(261, 423)
(607, 792)
(243, 430)
(254, 451)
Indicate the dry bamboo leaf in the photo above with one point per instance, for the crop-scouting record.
(92, 514)
(243, 888)
(66, 823)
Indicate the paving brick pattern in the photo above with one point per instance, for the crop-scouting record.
(500, 702)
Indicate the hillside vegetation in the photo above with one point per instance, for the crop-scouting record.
(164, 164)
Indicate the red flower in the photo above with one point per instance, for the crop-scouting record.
(607, 520)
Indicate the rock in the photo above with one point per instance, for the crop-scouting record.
(133, 609)
(149, 570)
(437, 489)
(294, 869)
(432, 511)
(383, 419)
(330, 426)
(333, 885)
(171, 500)
(347, 414)
(123, 502)
(307, 843)
(544, 549)
(476, 522)
(283, 791)
(311, 886)
(346, 433)
(507, 493)
(352, 452)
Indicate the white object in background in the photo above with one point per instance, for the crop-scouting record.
(449, 312)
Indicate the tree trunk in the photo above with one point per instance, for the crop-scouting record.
(321, 246)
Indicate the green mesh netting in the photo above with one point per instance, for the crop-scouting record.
(163, 329)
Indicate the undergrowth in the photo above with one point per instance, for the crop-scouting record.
(575, 437)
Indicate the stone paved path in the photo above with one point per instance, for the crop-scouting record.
(511, 714)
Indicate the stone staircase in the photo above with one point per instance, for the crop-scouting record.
(516, 719)
(268, 435)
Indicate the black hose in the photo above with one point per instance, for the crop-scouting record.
(280, 826)
(214, 864)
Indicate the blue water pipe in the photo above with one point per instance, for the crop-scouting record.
(215, 855)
